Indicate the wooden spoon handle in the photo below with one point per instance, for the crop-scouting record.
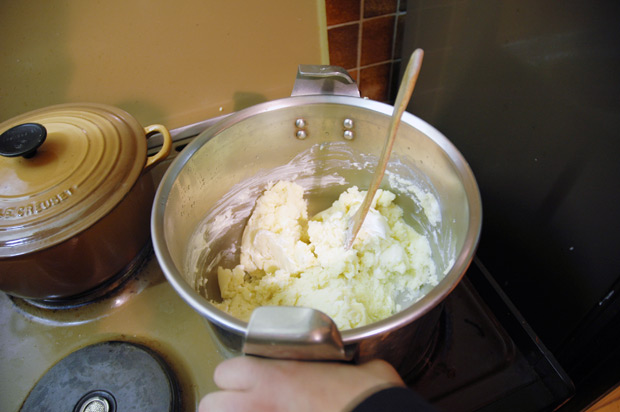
(402, 100)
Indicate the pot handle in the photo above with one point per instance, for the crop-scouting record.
(321, 79)
(286, 332)
(164, 151)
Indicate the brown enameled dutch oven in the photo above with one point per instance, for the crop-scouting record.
(74, 198)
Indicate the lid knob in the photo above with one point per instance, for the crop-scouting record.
(22, 140)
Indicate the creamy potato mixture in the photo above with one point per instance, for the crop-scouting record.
(288, 259)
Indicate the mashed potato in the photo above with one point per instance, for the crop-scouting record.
(289, 260)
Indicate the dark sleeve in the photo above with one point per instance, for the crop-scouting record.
(394, 399)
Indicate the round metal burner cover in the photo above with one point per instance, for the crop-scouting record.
(106, 377)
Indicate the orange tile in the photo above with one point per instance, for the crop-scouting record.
(342, 11)
(374, 82)
(374, 8)
(343, 45)
(354, 74)
(377, 37)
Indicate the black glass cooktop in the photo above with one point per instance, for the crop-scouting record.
(487, 358)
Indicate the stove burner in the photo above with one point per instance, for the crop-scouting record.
(106, 377)
(99, 292)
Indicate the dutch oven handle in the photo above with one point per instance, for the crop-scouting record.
(326, 80)
(286, 332)
(164, 151)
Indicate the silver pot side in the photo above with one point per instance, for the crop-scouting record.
(263, 143)
(408, 348)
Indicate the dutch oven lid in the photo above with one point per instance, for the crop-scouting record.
(62, 169)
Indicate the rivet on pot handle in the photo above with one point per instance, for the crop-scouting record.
(286, 332)
(164, 151)
(326, 80)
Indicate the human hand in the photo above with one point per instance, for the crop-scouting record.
(257, 384)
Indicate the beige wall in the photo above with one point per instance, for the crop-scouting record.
(170, 62)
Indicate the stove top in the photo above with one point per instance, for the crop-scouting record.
(145, 312)
(102, 376)
(486, 357)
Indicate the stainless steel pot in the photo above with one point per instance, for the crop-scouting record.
(325, 141)
(74, 198)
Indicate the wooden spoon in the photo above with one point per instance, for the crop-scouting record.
(402, 99)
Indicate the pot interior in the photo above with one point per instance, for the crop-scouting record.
(213, 185)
